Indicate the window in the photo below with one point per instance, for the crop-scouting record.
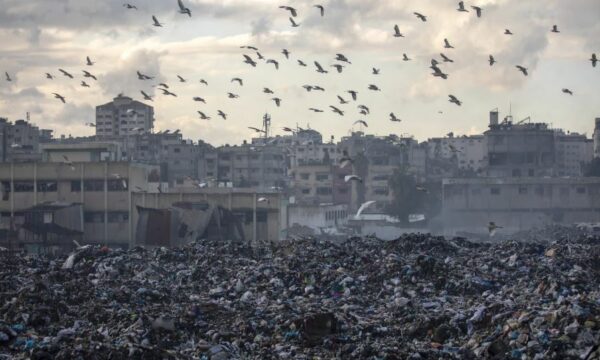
(322, 177)
(581, 190)
(118, 217)
(93, 217)
(383, 192)
(5, 190)
(23, 186)
(177, 150)
(305, 191)
(75, 186)
(342, 191)
(523, 190)
(304, 176)
(495, 191)
(93, 185)
(46, 186)
(324, 191)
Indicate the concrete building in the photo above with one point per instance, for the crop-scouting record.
(518, 203)
(21, 141)
(317, 184)
(468, 153)
(123, 117)
(597, 138)
(81, 152)
(571, 153)
(316, 217)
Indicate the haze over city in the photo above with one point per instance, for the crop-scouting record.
(42, 37)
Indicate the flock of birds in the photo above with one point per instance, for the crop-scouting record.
(340, 63)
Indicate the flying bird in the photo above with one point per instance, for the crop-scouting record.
(345, 160)
(374, 87)
(232, 96)
(143, 77)
(353, 93)
(294, 24)
(249, 47)
(248, 60)
(268, 91)
(453, 149)
(445, 58)
(492, 227)
(507, 32)
(59, 97)
(7, 76)
(49, 76)
(89, 62)
(287, 129)
(256, 129)
(163, 85)
(308, 88)
(363, 207)
(68, 162)
(202, 81)
(336, 110)
(405, 57)
(321, 9)
(348, 178)
(461, 7)
(167, 92)
(130, 7)
(522, 69)
(181, 79)
(477, 10)
(277, 101)
(183, 9)
(156, 23)
(376, 71)
(274, 62)
(437, 72)
(88, 75)
(420, 16)
(292, 11)
(318, 88)
(238, 80)
(364, 108)
(320, 68)
(338, 67)
(393, 118)
(342, 100)
(301, 63)
(316, 110)
(567, 91)
(84, 84)
(421, 188)
(222, 114)
(447, 44)
(397, 32)
(492, 60)
(146, 96)
(454, 100)
(342, 58)
(594, 60)
(203, 115)
(199, 99)
(65, 73)
(263, 200)
(362, 122)
(555, 29)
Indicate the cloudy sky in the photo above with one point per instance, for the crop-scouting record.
(41, 36)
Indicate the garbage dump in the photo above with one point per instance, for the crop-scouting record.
(417, 297)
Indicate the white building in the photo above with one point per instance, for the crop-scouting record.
(571, 153)
(123, 117)
(470, 151)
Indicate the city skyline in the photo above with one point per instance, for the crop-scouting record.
(207, 46)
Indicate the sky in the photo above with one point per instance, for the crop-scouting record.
(41, 36)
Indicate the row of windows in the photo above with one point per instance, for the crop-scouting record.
(52, 186)
(335, 215)
(113, 217)
(521, 190)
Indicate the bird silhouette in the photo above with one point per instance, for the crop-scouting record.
(222, 114)
(361, 122)
(393, 118)
(155, 22)
(268, 91)
(348, 178)
(594, 60)
(338, 67)
(320, 68)
(405, 57)
(49, 76)
(376, 71)
(60, 97)
(294, 24)
(232, 96)
(321, 9)
(202, 81)
(65, 73)
(507, 32)
(88, 75)
(447, 44)
(277, 101)
(445, 58)
(454, 100)
(146, 96)
(199, 99)
(336, 110)
(130, 7)
(248, 60)
(555, 29)
(567, 91)
(203, 116)
(492, 227)
(461, 7)
(365, 109)
(374, 87)
(144, 77)
(8, 78)
(353, 93)
(84, 84)
(89, 62)
(478, 10)
(249, 47)
(238, 80)
(183, 9)
(397, 32)
(181, 79)
(163, 85)
(437, 72)
(316, 110)
(274, 62)
(522, 69)
(345, 160)
(342, 100)
(292, 11)
(342, 58)
(167, 92)
(420, 16)
(301, 63)
(491, 60)
(259, 56)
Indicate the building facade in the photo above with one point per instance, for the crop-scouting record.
(123, 117)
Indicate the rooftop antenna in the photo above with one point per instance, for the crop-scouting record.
(267, 124)
(27, 116)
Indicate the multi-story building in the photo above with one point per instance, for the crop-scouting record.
(518, 203)
(123, 117)
(468, 153)
(571, 153)
(321, 183)
(597, 138)
(21, 141)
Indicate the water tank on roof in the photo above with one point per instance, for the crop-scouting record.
(493, 117)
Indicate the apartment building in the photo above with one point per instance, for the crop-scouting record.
(124, 117)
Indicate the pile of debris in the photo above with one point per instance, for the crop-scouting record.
(418, 297)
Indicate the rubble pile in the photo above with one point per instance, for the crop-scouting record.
(418, 297)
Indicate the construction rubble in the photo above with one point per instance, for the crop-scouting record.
(418, 297)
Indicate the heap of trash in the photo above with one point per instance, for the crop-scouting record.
(417, 297)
